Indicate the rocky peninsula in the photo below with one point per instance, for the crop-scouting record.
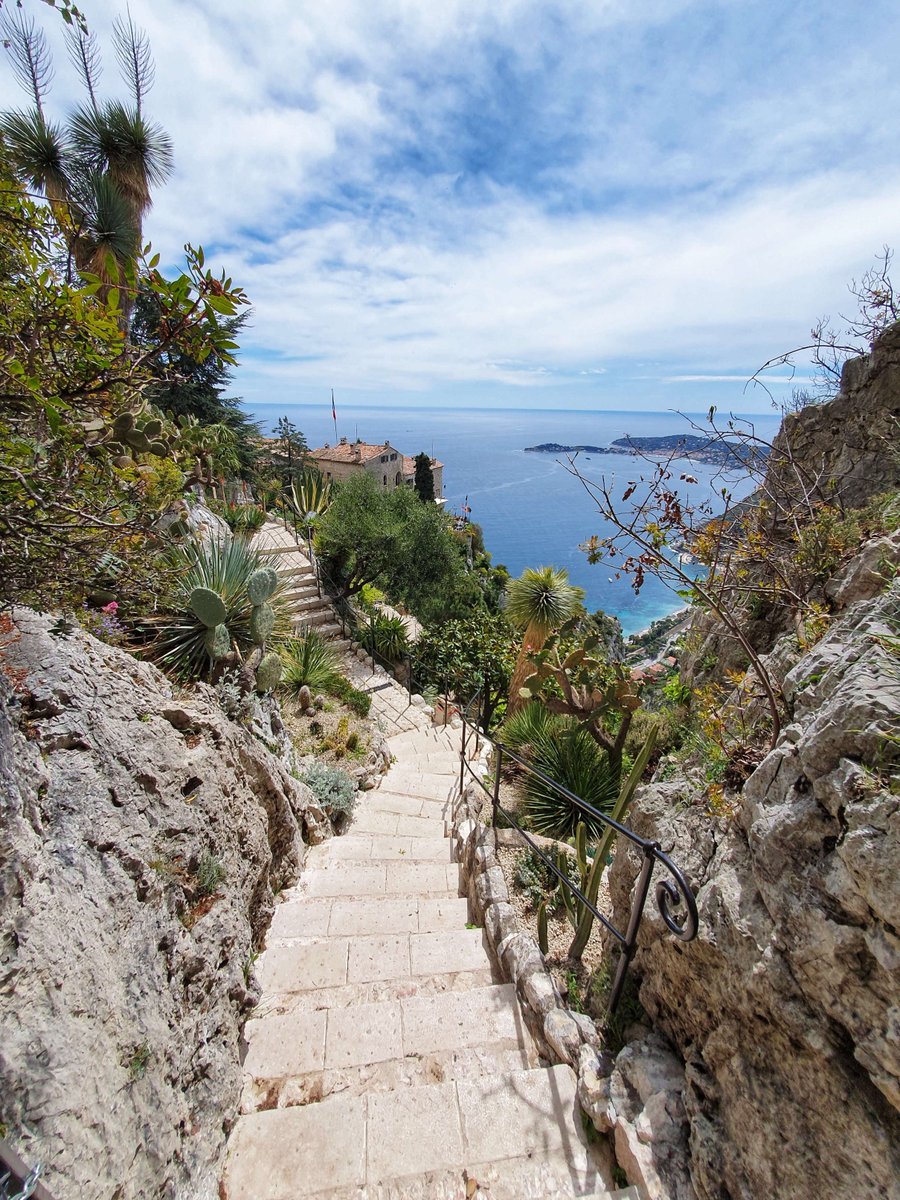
(684, 445)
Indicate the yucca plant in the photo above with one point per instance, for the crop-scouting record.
(224, 568)
(523, 728)
(572, 758)
(310, 493)
(309, 662)
(390, 637)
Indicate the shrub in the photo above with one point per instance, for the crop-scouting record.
(523, 728)
(572, 758)
(390, 637)
(333, 788)
(224, 568)
(357, 701)
(210, 874)
(309, 662)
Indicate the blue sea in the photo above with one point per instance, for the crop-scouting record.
(532, 510)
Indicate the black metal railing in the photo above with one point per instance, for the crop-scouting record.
(18, 1181)
(673, 896)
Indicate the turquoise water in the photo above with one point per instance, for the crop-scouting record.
(532, 510)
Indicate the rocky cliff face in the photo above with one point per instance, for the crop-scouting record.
(844, 446)
(143, 836)
(786, 1009)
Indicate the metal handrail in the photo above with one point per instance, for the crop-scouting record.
(669, 895)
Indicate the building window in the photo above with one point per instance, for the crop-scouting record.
(384, 458)
(397, 479)
(385, 480)
(393, 457)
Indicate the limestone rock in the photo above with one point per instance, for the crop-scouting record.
(785, 1008)
(143, 835)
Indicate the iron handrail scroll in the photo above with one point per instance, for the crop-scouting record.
(673, 896)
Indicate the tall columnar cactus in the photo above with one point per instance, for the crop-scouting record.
(590, 870)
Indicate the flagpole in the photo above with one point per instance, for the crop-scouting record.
(334, 416)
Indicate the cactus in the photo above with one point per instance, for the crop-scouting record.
(160, 449)
(319, 702)
(262, 622)
(208, 607)
(304, 698)
(217, 641)
(543, 938)
(590, 871)
(152, 429)
(261, 585)
(122, 423)
(268, 673)
(138, 441)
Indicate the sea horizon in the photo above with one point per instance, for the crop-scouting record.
(532, 510)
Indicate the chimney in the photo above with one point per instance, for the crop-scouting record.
(343, 441)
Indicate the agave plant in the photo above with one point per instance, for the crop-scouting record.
(522, 729)
(390, 637)
(224, 568)
(572, 758)
(309, 662)
(310, 494)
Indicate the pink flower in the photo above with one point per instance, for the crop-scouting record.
(112, 607)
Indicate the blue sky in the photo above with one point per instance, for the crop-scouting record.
(612, 204)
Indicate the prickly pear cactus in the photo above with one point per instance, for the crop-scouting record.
(268, 673)
(208, 607)
(262, 622)
(261, 585)
(217, 642)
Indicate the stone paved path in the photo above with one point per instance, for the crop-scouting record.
(385, 1060)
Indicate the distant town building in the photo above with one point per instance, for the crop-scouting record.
(384, 463)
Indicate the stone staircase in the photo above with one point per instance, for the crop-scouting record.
(385, 1060)
(307, 609)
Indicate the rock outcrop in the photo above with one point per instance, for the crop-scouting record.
(143, 837)
(786, 1009)
(844, 446)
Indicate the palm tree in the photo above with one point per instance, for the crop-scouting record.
(538, 602)
(98, 171)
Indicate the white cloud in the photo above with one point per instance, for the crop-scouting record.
(523, 195)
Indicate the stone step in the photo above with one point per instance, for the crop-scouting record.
(368, 818)
(319, 614)
(434, 737)
(301, 916)
(373, 991)
(459, 1128)
(305, 964)
(429, 784)
(374, 847)
(427, 880)
(296, 595)
(307, 1054)
(382, 799)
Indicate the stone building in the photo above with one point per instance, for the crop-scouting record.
(384, 462)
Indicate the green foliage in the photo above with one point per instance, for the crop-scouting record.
(424, 478)
(390, 539)
(569, 678)
(310, 495)
(522, 729)
(333, 789)
(268, 673)
(217, 642)
(357, 701)
(210, 874)
(69, 388)
(390, 638)
(677, 691)
(208, 607)
(541, 600)
(572, 758)
(262, 622)
(309, 662)
(223, 568)
(466, 654)
(535, 879)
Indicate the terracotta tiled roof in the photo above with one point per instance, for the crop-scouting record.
(347, 452)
